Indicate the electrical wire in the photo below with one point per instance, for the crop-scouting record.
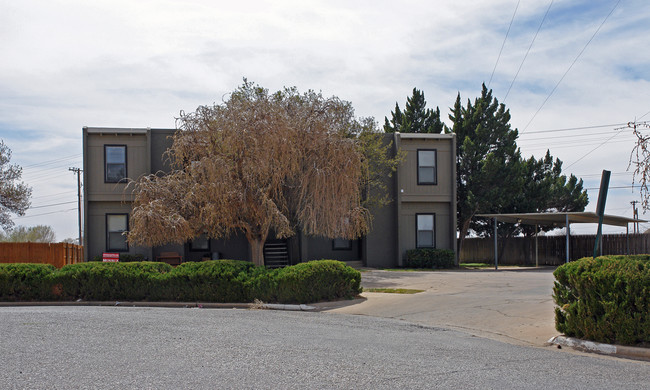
(528, 51)
(50, 205)
(571, 66)
(577, 128)
(503, 44)
(51, 212)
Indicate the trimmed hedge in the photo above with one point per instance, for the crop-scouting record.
(208, 281)
(25, 282)
(430, 258)
(606, 299)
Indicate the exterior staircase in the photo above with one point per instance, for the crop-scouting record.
(276, 253)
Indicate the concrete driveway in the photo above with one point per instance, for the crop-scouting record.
(512, 305)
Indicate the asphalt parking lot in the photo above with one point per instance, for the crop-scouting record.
(86, 347)
(514, 305)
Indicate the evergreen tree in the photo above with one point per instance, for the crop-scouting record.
(488, 161)
(416, 118)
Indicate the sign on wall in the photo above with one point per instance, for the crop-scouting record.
(110, 257)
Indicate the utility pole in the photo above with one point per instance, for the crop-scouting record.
(635, 213)
(78, 172)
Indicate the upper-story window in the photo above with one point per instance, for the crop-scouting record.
(427, 169)
(114, 163)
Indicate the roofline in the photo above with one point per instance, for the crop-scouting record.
(560, 217)
(122, 130)
(424, 135)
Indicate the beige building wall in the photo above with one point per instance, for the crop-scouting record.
(438, 199)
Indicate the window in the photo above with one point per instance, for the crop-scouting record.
(341, 244)
(427, 172)
(115, 163)
(116, 225)
(426, 231)
(200, 243)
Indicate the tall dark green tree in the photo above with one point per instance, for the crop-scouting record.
(415, 118)
(544, 189)
(488, 161)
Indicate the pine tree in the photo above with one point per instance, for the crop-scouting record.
(415, 118)
(488, 161)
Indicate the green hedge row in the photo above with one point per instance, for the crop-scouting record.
(606, 299)
(430, 258)
(208, 281)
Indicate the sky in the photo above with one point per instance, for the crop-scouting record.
(573, 73)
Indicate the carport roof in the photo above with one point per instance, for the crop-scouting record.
(560, 218)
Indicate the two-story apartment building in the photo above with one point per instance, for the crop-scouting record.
(421, 215)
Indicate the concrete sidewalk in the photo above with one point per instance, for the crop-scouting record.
(511, 305)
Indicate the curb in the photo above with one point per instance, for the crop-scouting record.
(200, 305)
(601, 348)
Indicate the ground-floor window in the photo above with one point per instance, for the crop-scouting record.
(200, 243)
(116, 225)
(426, 231)
(341, 244)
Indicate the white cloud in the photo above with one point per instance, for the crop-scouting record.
(71, 63)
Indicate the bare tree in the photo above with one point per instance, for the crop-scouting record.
(38, 233)
(14, 194)
(258, 163)
(640, 159)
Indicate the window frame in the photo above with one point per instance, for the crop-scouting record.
(194, 249)
(435, 167)
(348, 247)
(122, 180)
(417, 231)
(108, 233)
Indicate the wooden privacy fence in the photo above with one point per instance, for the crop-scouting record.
(58, 255)
(551, 249)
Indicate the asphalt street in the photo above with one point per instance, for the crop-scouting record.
(174, 348)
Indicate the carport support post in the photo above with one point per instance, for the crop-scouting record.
(496, 253)
(568, 236)
(536, 246)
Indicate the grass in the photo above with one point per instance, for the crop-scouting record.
(393, 290)
(407, 269)
(476, 265)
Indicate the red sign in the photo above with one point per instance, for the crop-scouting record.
(110, 257)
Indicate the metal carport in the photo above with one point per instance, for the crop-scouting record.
(555, 219)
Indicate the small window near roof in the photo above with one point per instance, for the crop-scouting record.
(115, 163)
(425, 235)
(427, 171)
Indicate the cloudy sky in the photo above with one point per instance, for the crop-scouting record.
(572, 72)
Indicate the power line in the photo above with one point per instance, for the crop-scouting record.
(53, 204)
(528, 51)
(588, 153)
(504, 43)
(51, 161)
(571, 66)
(577, 128)
(51, 212)
(568, 136)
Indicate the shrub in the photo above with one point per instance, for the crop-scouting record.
(209, 281)
(430, 258)
(606, 299)
(26, 282)
(110, 281)
(316, 281)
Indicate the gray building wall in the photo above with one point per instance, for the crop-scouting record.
(393, 226)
